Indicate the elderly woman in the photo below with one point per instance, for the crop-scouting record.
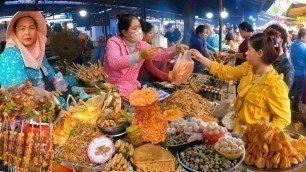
(126, 52)
(24, 56)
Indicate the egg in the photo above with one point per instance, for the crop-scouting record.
(209, 128)
(238, 150)
(210, 132)
(190, 129)
(227, 150)
(241, 147)
(196, 128)
(230, 143)
(224, 144)
(218, 146)
(232, 151)
(222, 139)
(222, 149)
(234, 146)
(221, 130)
(185, 128)
(201, 127)
(193, 119)
(216, 132)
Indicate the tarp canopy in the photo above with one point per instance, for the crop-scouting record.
(297, 9)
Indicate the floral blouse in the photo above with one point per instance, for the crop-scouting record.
(13, 71)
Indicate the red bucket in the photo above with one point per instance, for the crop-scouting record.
(213, 138)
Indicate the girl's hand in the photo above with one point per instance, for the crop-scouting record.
(195, 54)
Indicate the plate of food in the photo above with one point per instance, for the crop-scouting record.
(26, 102)
(202, 157)
(277, 151)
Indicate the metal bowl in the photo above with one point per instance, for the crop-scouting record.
(239, 161)
(113, 130)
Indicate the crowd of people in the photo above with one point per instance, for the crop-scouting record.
(266, 66)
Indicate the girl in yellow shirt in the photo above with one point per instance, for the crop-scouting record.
(262, 91)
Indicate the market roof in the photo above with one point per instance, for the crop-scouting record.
(155, 8)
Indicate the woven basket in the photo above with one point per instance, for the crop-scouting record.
(230, 156)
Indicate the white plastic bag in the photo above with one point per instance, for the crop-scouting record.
(182, 69)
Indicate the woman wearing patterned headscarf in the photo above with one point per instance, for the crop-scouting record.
(24, 56)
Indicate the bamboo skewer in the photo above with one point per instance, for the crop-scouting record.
(106, 100)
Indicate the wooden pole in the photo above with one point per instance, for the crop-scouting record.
(36, 5)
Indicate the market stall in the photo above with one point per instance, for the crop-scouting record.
(147, 132)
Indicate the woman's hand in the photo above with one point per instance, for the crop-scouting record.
(148, 52)
(195, 54)
(180, 48)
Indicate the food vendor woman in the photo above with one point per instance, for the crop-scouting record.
(262, 91)
(24, 57)
(126, 52)
(152, 71)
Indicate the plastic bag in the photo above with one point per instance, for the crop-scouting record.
(182, 69)
(59, 83)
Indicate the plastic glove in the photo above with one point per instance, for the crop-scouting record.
(59, 83)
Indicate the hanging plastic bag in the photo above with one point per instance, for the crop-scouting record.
(182, 69)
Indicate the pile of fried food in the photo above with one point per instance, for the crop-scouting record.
(133, 133)
(119, 162)
(149, 157)
(113, 119)
(147, 115)
(74, 149)
(188, 102)
(85, 113)
(268, 147)
(28, 102)
(94, 72)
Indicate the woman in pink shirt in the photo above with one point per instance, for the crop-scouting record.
(126, 52)
(152, 71)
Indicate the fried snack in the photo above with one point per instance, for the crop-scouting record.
(148, 117)
(74, 149)
(173, 114)
(124, 148)
(118, 163)
(113, 119)
(188, 102)
(88, 113)
(133, 133)
(143, 97)
(267, 147)
(207, 118)
(149, 157)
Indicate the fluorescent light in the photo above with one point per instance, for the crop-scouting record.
(251, 17)
(224, 14)
(209, 15)
(83, 13)
(196, 17)
(57, 20)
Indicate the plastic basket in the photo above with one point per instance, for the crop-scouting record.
(230, 156)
